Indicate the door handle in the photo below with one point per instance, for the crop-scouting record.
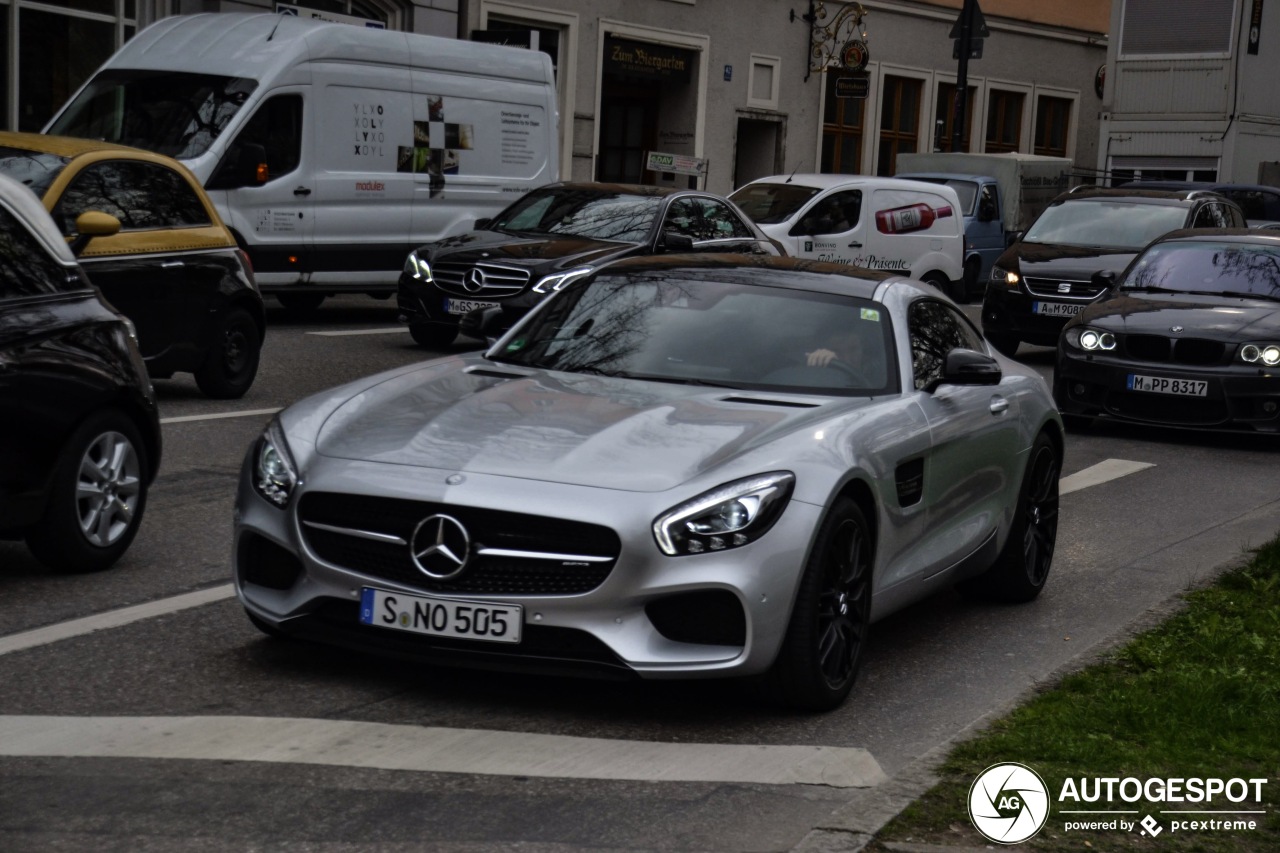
(172, 265)
(999, 405)
(302, 191)
(855, 245)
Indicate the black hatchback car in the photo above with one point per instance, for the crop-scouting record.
(79, 429)
(1189, 336)
(553, 236)
(1047, 277)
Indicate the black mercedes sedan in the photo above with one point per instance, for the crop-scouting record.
(79, 429)
(552, 237)
(1187, 336)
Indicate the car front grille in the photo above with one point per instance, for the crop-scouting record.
(1050, 288)
(1167, 409)
(1159, 348)
(479, 280)
(529, 554)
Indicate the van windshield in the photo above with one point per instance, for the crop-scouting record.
(769, 204)
(174, 113)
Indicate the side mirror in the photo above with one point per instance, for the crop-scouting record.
(481, 224)
(90, 224)
(1105, 279)
(244, 165)
(674, 241)
(968, 367)
(1012, 237)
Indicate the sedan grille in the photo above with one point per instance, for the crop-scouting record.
(511, 553)
(477, 280)
(1159, 348)
(1057, 288)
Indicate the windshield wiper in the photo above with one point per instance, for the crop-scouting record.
(684, 380)
(1150, 288)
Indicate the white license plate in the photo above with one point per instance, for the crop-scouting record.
(1056, 309)
(465, 306)
(441, 617)
(1161, 385)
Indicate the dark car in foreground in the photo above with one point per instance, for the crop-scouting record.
(1046, 278)
(689, 466)
(173, 269)
(553, 236)
(79, 429)
(1189, 336)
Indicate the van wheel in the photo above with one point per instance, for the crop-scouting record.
(98, 495)
(938, 280)
(232, 362)
(433, 335)
(300, 301)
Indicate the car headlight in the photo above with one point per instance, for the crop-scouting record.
(552, 283)
(1268, 354)
(728, 516)
(1008, 278)
(274, 474)
(1091, 340)
(417, 268)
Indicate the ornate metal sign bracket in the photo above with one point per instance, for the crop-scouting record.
(835, 41)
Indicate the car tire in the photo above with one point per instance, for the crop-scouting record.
(98, 495)
(827, 634)
(433, 335)
(232, 361)
(300, 302)
(939, 281)
(1004, 343)
(1022, 567)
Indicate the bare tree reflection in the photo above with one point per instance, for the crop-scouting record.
(582, 212)
(1210, 268)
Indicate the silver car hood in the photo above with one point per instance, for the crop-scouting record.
(474, 416)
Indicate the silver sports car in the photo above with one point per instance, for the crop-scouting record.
(679, 467)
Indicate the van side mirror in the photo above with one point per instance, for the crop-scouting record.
(967, 367)
(245, 165)
(1105, 279)
(90, 224)
(674, 241)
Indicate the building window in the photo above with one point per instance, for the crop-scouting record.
(762, 85)
(841, 132)
(1004, 121)
(945, 118)
(899, 122)
(57, 52)
(1053, 118)
(1164, 27)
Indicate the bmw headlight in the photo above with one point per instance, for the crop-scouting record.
(552, 283)
(1265, 354)
(274, 474)
(1008, 278)
(728, 516)
(417, 268)
(1091, 340)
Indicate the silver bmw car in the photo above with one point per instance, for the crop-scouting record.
(689, 466)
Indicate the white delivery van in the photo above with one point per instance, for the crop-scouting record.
(330, 150)
(878, 223)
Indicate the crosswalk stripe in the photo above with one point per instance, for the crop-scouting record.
(1104, 471)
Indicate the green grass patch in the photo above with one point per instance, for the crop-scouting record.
(1196, 697)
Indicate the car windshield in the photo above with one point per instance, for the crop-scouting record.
(769, 204)
(1208, 267)
(693, 329)
(33, 168)
(175, 113)
(1105, 223)
(596, 214)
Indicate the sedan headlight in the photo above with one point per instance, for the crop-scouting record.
(552, 283)
(1091, 340)
(1008, 278)
(417, 268)
(274, 474)
(1267, 354)
(728, 516)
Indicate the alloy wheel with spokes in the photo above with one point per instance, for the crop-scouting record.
(843, 603)
(108, 489)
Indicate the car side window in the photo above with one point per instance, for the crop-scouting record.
(684, 216)
(936, 329)
(835, 214)
(989, 203)
(721, 221)
(1236, 218)
(1209, 216)
(141, 195)
(26, 267)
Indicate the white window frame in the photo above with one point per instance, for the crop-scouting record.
(774, 62)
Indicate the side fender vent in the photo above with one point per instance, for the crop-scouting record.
(910, 480)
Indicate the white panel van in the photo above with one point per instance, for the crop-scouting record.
(330, 150)
(879, 223)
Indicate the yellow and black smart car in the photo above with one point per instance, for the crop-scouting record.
(173, 268)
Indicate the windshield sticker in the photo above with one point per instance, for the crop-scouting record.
(516, 345)
(871, 314)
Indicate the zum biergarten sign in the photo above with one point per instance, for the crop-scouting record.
(650, 61)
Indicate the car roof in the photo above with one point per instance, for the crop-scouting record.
(1086, 193)
(1251, 236)
(67, 146)
(1212, 186)
(20, 199)
(787, 272)
(824, 181)
(946, 176)
(601, 186)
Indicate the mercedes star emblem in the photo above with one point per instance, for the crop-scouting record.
(474, 280)
(440, 547)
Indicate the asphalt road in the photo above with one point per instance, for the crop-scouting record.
(189, 730)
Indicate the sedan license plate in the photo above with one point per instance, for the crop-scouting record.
(465, 306)
(1056, 309)
(1161, 385)
(441, 617)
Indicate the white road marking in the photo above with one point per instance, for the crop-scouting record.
(403, 330)
(182, 419)
(434, 749)
(112, 619)
(1104, 471)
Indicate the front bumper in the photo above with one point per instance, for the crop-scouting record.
(424, 303)
(714, 614)
(1238, 398)
(1012, 311)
